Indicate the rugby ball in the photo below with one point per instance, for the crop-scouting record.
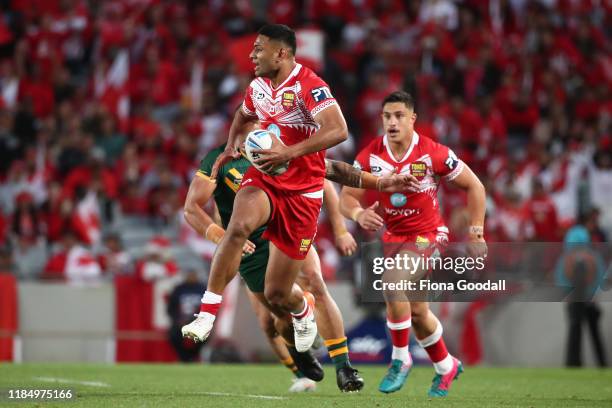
(261, 139)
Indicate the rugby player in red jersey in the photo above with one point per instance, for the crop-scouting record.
(293, 102)
(413, 220)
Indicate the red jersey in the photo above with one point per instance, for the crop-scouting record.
(411, 213)
(291, 108)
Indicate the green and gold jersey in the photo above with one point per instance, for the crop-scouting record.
(228, 181)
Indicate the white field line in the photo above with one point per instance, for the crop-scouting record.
(101, 384)
(227, 394)
(68, 381)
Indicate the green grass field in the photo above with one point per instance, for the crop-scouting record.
(266, 386)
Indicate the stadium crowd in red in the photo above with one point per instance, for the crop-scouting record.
(108, 106)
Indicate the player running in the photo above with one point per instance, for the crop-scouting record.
(291, 98)
(253, 265)
(413, 221)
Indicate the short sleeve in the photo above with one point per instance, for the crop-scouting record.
(247, 104)
(362, 161)
(445, 162)
(206, 164)
(317, 96)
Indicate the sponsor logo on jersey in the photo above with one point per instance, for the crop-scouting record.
(406, 212)
(305, 245)
(321, 94)
(376, 170)
(418, 169)
(451, 161)
(288, 99)
(259, 95)
(398, 200)
(274, 129)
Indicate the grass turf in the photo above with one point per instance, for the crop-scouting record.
(266, 386)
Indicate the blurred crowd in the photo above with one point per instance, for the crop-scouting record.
(106, 108)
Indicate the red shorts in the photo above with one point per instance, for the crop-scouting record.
(423, 243)
(293, 222)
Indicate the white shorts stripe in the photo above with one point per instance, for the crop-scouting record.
(314, 194)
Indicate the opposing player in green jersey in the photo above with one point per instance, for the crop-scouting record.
(253, 265)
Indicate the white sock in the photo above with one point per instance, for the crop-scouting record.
(445, 366)
(210, 297)
(402, 354)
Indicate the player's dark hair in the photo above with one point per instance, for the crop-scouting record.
(282, 33)
(399, 96)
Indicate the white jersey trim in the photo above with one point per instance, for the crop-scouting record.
(293, 73)
(322, 106)
(415, 141)
(314, 194)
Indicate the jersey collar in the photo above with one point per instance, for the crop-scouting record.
(293, 73)
(415, 141)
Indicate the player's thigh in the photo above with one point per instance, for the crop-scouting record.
(251, 210)
(281, 273)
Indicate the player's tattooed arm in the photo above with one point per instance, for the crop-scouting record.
(347, 175)
(342, 173)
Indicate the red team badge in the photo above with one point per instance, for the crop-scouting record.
(288, 100)
(418, 169)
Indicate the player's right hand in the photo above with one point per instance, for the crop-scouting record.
(369, 220)
(395, 183)
(248, 248)
(230, 153)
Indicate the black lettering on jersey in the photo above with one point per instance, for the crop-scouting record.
(451, 161)
(321, 94)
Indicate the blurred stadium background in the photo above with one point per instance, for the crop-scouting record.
(106, 108)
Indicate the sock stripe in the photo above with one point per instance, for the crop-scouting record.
(333, 342)
(432, 338)
(334, 353)
(304, 312)
(399, 325)
(212, 308)
(337, 346)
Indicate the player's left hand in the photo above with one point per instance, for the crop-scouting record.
(346, 244)
(477, 247)
(271, 158)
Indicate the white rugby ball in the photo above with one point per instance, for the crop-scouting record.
(261, 139)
